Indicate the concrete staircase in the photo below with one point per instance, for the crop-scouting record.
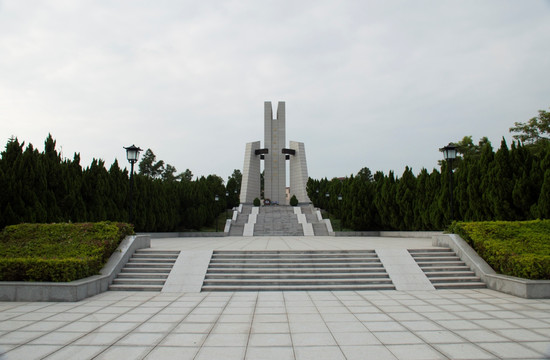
(237, 226)
(296, 270)
(319, 228)
(277, 221)
(147, 270)
(445, 269)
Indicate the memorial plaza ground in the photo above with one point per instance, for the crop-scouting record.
(383, 324)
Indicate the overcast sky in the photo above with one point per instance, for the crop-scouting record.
(381, 84)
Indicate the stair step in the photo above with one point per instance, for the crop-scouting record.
(436, 250)
(151, 261)
(345, 257)
(126, 269)
(317, 270)
(313, 281)
(294, 265)
(277, 252)
(142, 275)
(133, 265)
(461, 279)
(447, 258)
(290, 261)
(445, 268)
(437, 274)
(146, 270)
(299, 288)
(135, 288)
(439, 263)
(298, 276)
(139, 282)
(460, 285)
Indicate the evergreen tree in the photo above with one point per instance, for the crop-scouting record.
(405, 193)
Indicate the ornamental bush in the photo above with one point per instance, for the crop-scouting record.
(58, 252)
(256, 202)
(293, 201)
(515, 248)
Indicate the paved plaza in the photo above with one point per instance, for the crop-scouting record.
(391, 324)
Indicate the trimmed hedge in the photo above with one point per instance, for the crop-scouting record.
(515, 248)
(58, 252)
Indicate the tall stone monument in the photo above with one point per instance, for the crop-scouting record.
(274, 155)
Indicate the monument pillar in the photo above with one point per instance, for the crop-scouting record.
(274, 155)
(274, 164)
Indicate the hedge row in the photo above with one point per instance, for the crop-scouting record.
(58, 252)
(520, 248)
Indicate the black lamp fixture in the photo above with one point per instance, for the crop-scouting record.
(216, 198)
(340, 201)
(132, 154)
(449, 154)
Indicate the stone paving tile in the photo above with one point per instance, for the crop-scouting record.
(415, 352)
(76, 352)
(172, 352)
(318, 353)
(465, 351)
(272, 353)
(280, 325)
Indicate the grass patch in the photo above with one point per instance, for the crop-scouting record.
(58, 252)
(515, 248)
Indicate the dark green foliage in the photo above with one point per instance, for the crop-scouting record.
(44, 188)
(293, 200)
(256, 202)
(520, 248)
(511, 184)
(57, 252)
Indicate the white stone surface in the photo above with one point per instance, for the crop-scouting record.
(319, 216)
(188, 272)
(250, 186)
(308, 228)
(248, 229)
(227, 226)
(275, 160)
(403, 270)
(298, 172)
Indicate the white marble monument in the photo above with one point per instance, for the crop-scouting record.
(274, 155)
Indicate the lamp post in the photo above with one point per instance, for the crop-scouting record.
(340, 208)
(132, 154)
(449, 153)
(226, 202)
(327, 196)
(216, 198)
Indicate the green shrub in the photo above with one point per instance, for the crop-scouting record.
(58, 252)
(293, 200)
(256, 202)
(520, 248)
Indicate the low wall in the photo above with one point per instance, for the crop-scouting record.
(78, 289)
(530, 289)
(167, 235)
(397, 234)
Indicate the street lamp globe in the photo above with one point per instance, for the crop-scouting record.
(449, 151)
(132, 153)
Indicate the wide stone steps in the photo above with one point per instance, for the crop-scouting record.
(147, 270)
(445, 269)
(295, 270)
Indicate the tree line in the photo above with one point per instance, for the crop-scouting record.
(511, 183)
(42, 187)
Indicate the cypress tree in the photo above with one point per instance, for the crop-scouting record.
(405, 192)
